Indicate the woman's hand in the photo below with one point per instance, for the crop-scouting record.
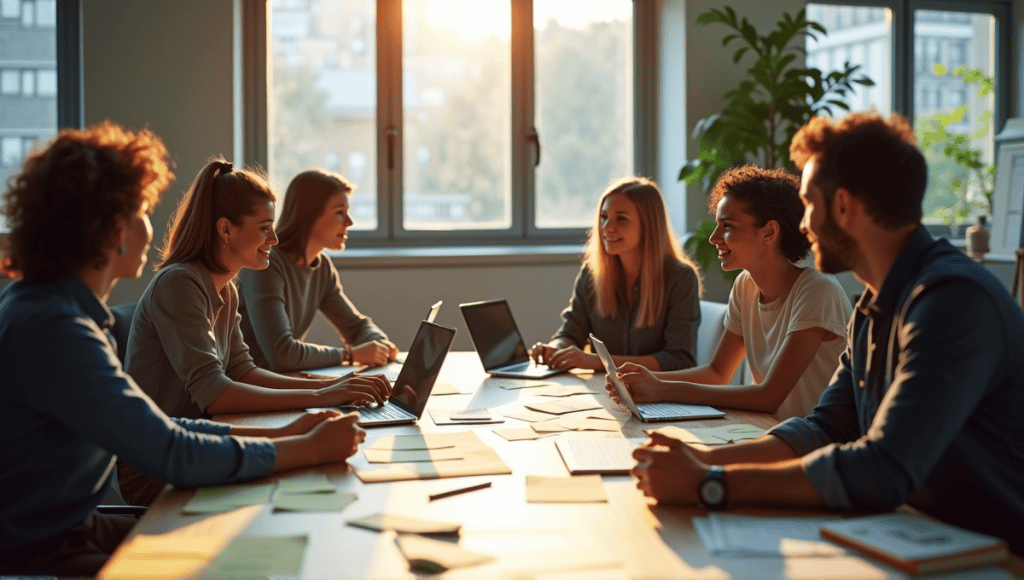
(304, 423)
(641, 383)
(337, 438)
(571, 357)
(540, 352)
(355, 390)
(374, 353)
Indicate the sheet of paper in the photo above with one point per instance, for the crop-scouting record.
(579, 489)
(601, 414)
(405, 525)
(431, 556)
(513, 384)
(309, 483)
(223, 498)
(713, 435)
(480, 459)
(562, 391)
(529, 416)
(564, 406)
(734, 535)
(445, 389)
(471, 415)
(411, 455)
(550, 426)
(523, 434)
(444, 417)
(581, 424)
(163, 556)
(404, 442)
(247, 557)
(333, 501)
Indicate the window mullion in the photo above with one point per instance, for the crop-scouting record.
(524, 149)
(389, 117)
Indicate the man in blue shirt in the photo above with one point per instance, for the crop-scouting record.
(927, 406)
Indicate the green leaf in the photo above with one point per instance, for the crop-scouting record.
(939, 70)
(739, 54)
(729, 38)
(974, 75)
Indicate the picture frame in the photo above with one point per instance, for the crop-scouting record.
(1008, 198)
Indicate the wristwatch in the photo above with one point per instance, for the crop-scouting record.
(712, 489)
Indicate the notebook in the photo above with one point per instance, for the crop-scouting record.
(650, 412)
(602, 455)
(412, 387)
(497, 341)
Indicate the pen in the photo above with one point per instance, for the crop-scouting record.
(457, 491)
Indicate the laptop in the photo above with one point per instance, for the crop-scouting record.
(416, 380)
(497, 341)
(613, 455)
(650, 412)
(433, 311)
(394, 368)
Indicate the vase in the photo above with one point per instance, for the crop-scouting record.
(977, 239)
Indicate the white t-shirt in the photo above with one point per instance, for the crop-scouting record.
(815, 301)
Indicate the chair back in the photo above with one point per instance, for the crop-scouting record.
(712, 326)
(123, 314)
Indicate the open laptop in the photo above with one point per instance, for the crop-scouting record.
(416, 380)
(393, 368)
(497, 341)
(604, 455)
(650, 412)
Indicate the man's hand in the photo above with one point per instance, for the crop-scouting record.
(374, 353)
(337, 438)
(304, 423)
(668, 470)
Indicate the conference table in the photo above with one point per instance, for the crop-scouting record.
(627, 536)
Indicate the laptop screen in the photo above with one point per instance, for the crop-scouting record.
(494, 333)
(421, 367)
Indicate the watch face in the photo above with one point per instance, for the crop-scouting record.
(712, 493)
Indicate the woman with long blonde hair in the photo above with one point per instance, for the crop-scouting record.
(637, 291)
(280, 302)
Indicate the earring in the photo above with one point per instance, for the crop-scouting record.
(121, 249)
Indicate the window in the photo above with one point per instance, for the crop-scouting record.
(28, 83)
(917, 35)
(10, 8)
(484, 120)
(10, 82)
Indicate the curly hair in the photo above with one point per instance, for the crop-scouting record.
(875, 159)
(65, 206)
(767, 194)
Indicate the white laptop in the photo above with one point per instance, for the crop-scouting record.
(650, 412)
(416, 380)
(612, 455)
(497, 341)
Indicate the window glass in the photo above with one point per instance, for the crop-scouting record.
(47, 83)
(28, 82)
(46, 12)
(28, 14)
(456, 109)
(10, 8)
(951, 40)
(10, 151)
(861, 36)
(324, 93)
(584, 111)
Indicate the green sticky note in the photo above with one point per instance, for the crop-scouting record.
(223, 498)
(312, 502)
(315, 483)
(247, 557)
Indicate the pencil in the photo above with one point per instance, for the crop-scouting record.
(457, 491)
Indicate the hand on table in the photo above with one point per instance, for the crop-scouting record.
(641, 383)
(305, 422)
(337, 438)
(374, 353)
(668, 470)
(569, 357)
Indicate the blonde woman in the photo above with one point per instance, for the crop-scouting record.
(637, 291)
(279, 303)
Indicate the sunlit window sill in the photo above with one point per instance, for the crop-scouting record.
(481, 256)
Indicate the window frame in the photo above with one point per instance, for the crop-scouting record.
(390, 232)
(903, 45)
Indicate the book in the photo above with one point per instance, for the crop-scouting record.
(916, 544)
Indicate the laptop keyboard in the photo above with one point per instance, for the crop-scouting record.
(661, 410)
(384, 413)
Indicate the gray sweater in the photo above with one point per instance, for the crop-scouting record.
(278, 306)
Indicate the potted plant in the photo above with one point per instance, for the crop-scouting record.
(761, 115)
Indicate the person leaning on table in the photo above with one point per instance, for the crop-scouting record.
(79, 216)
(927, 406)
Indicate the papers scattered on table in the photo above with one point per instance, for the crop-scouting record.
(411, 455)
(562, 390)
(581, 489)
(323, 501)
(562, 407)
(512, 384)
(405, 525)
(523, 434)
(739, 536)
(713, 435)
(433, 556)
(223, 498)
(310, 483)
(449, 417)
(247, 557)
(478, 459)
(445, 389)
(402, 442)
(528, 415)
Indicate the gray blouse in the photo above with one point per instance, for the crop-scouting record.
(278, 306)
(185, 346)
(670, 340)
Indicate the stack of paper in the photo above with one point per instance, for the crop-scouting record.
(734, 535)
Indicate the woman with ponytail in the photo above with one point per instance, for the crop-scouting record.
(637, 291)
(186, 348)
